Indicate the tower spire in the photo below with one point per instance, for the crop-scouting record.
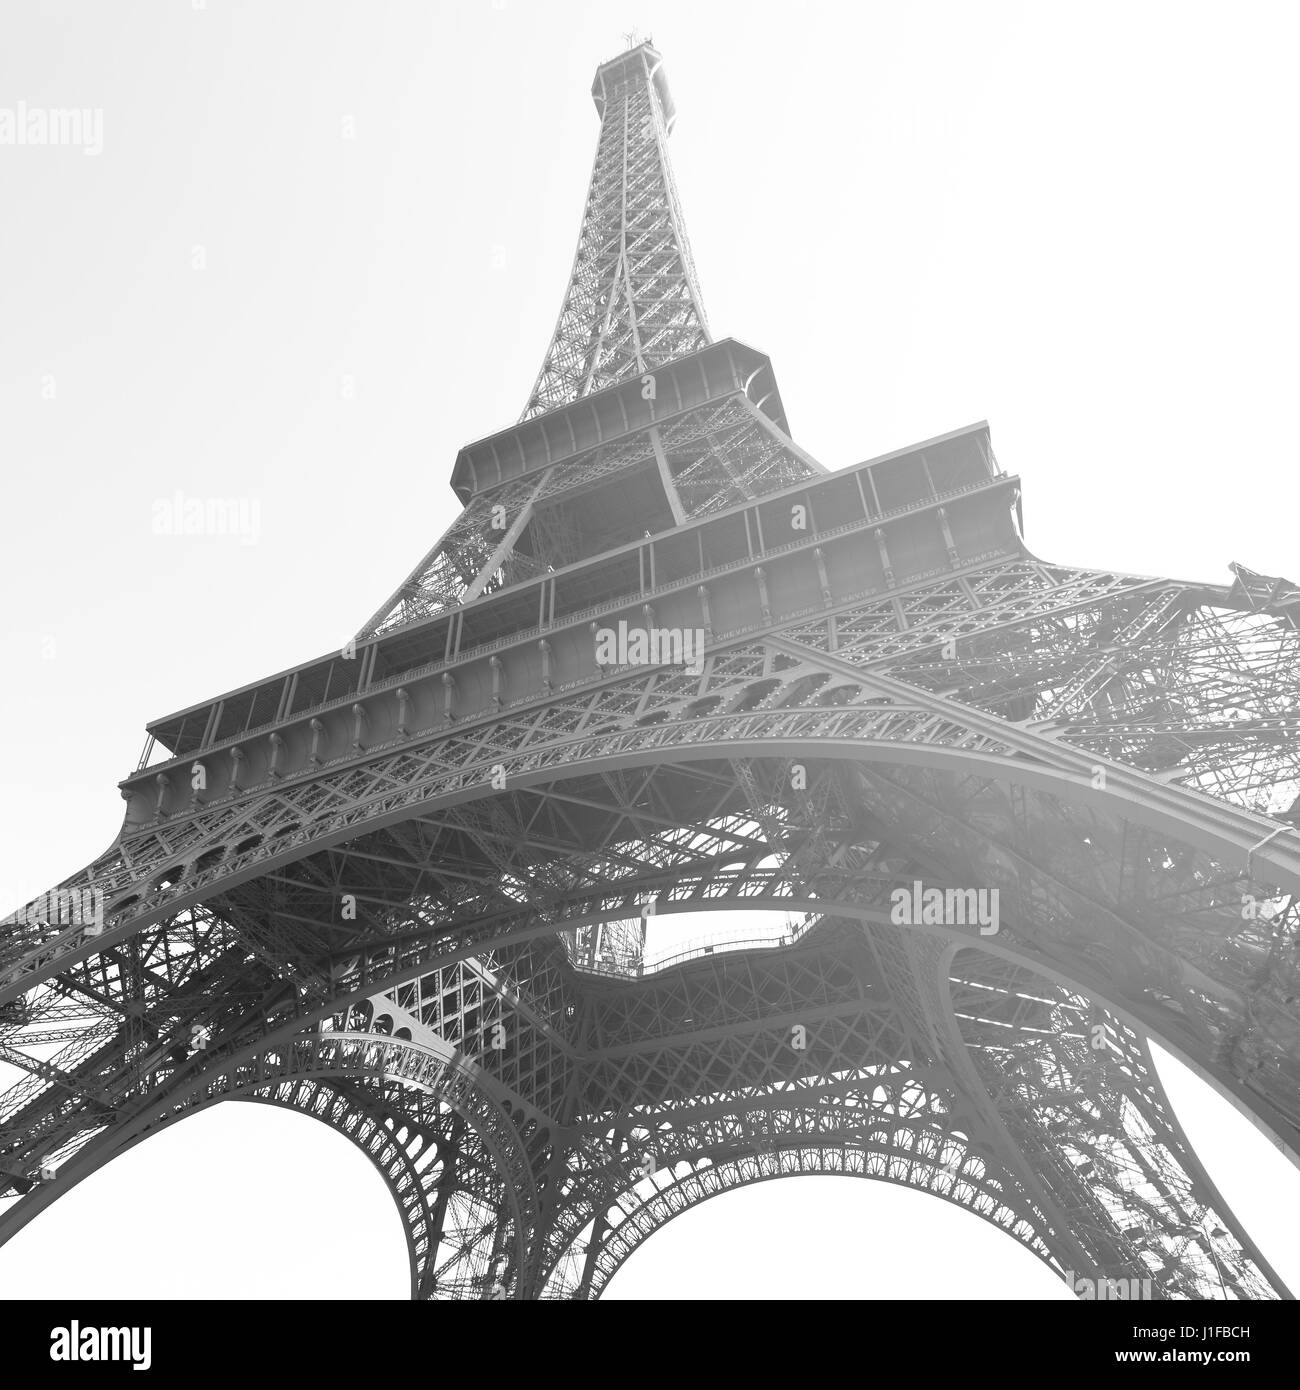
(632, 302)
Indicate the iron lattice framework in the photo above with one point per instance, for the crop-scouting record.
(632, 302)
(403, 889)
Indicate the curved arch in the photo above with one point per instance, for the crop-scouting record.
(1073, 974)
(929, 1151)
(321, 1061)
(884, 730)
(412, 1185)
(241, 1065)
(942, 1160)
(368, 1058)
(1020, 760)
(901, 1167)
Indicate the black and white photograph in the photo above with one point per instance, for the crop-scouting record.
(607, 602)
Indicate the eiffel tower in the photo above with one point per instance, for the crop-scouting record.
(663, 662)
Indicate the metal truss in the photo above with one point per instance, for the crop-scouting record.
(632, 301)
(417, 910)
(444, 1175)
(705, 460)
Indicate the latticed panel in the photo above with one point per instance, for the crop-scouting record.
(1076, 1093)
(1165, 681)
(445, 576)
(716, 456)
(1163, 676)
(727, 453)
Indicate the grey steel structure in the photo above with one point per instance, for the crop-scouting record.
(405, 888)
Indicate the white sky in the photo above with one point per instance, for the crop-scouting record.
(1077, 221)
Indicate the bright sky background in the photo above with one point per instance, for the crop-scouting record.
(1077, 221)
